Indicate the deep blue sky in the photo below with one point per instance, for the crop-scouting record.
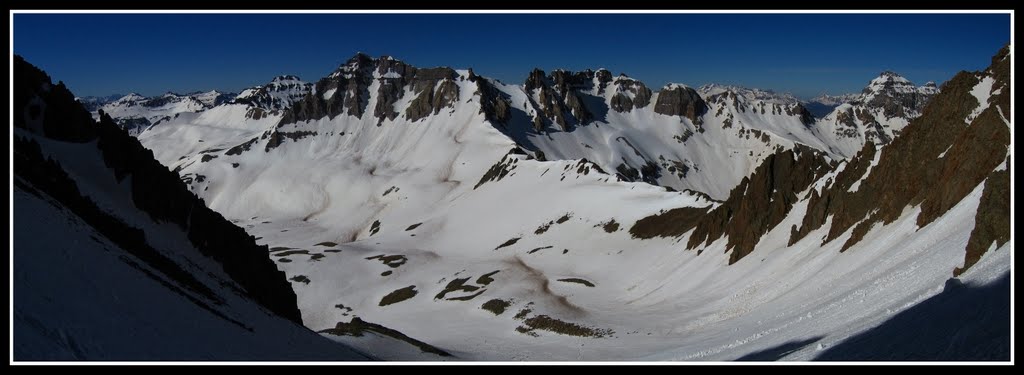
(805, 54)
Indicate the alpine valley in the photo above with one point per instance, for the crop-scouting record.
(431, 213)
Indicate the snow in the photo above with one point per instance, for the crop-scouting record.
(1002, 116)
(981, 91)
(209, 98)
(329, 93)
(354, 190)
(874, 162)
(673, 86)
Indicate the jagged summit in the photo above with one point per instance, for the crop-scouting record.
(567, 114)
(888, 82)
(896, 96)
(286, 77)
(277, 95)
(878, 114)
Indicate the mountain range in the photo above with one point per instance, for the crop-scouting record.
(434, 213)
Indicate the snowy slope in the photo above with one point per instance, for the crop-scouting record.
(458, 210)
(78, 296)
(213, 97)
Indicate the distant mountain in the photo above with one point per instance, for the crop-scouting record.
(278, 95)
(749, 94)
(824, 104)
(135, 113)
(213, 98)
(92, 103)
(878, 113)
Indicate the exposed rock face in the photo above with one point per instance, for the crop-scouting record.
(346, 91)
(759, 203)
(799, 110)
(603, 78)
(677, 100)
(493, 103)
(550, 105)
(275, 96)
(630, 94)
(535, 80)
(896, 95)
(389, 91)
(393, 78)
(277, 138)
(576, 107)
(436, 89)
(558, 98)
(153, 188)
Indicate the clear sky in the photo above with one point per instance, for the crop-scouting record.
(805, 54)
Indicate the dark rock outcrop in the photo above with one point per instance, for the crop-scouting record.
(346, 91)
(436, 89)
(799, 110)
(154, 189)
(681, 101)
(622, 102)
(755, 206)
(559, 98)
(349, 87)
(493, 103)
(604, 77)
(277, 137)
(34, 96)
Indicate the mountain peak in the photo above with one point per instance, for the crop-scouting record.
(357, 61)
(888, 81)
(285, 77)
